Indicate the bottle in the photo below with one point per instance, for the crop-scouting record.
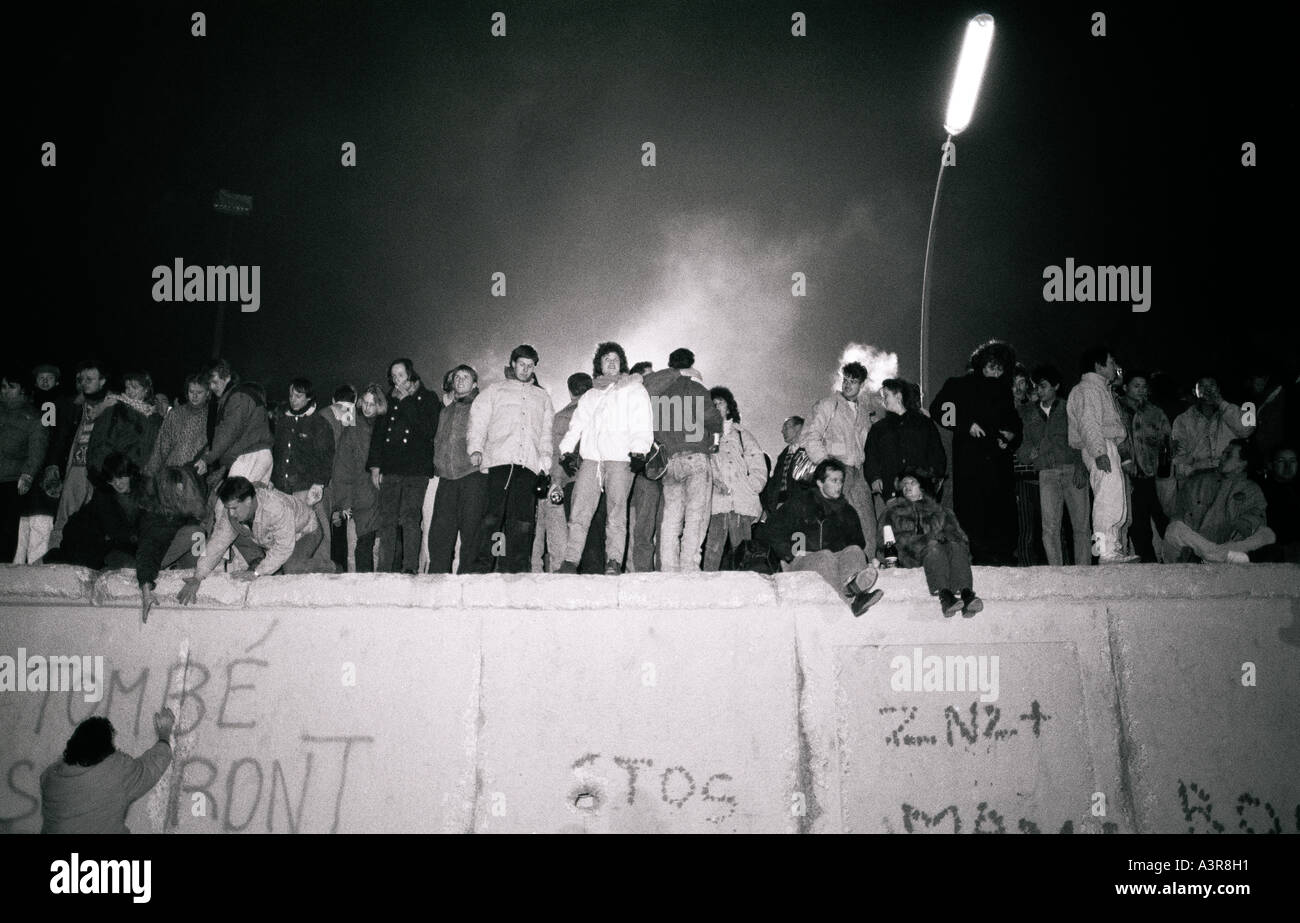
(889, 553)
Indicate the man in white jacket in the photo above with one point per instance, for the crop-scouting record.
(1096, 429)
(838, 429)
(613, 430)
(510, 440)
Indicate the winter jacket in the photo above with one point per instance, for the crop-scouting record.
(739, 473)
(95, 799)
(182, 438)
(109, 522)
(403, 438)
(612, 421)
(129, 427)
(1047, 437)
(1199, 440)
(916, 524)
(1148, 428)
(781, 485)
(350, 486)
(450, 459)
(241, 427)
(23, 443)
(510, 424)
(684, 417)
(279, 521)
(902, 441)
(972, 398)
(1221, 509)
(838, 429)
(1094, 420)
(304, 450)
(826, 524)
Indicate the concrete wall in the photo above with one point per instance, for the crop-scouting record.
(1148, 699)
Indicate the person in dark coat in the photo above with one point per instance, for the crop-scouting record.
(174, 521)
(929, 536)
(41, 502)
(459, 505)
(302, 457)
(106, 531)
(23, 448)
(130, 427)
(905, 438)
(979, 409)
(782, 483)
(817, 530)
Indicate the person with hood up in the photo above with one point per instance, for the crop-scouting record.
(614, 431)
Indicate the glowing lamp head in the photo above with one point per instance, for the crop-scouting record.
(970, 72)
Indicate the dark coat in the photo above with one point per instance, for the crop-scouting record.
(916, 525)
(241, 426)
(122, 429)
(303, 453)
(109, 522)
(902, 441)
(404, 438)
(778, 489)
(827, 525)
(351, 487)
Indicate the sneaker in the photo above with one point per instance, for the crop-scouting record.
(949, 603)
(971, 604)
(613, 568)
(568, 567)
(1238, 557)
(1119, 559)
(864, 601)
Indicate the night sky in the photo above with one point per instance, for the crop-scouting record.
(522, 155)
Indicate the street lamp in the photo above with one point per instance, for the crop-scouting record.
(961, 106)
(233, 205)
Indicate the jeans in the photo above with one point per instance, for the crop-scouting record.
(401, 498)
(646, 506)
(302, 561)
(858, 495)
(1180, 535)
(1109, 505)
(687, 488)
(323, 557)
(457, 510)
(736, 527)
(1056, 490)
(837, 567)
(616, 479)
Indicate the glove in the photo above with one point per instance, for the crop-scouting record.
(638, 462)
(570, 462)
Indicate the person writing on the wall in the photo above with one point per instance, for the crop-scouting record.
(91, 788)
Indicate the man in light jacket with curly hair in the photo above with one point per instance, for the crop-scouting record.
(612, 430)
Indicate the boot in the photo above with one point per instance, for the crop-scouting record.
(971, 603)
(568, 567)
(862, 582)
(613, 568)
(864, 601)
(949, 603)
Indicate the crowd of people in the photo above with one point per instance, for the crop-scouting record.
(645, 470)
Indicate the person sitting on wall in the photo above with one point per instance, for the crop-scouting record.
(929, 536)
(106, 531)
(1220, 514)
(273, 531)
(92, 787)
(819, 530)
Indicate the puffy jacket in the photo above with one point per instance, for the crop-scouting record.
(684, 417)
(304, 451)
(1094, 420)
(838, 429)
(450, 459)
(915, 525)
(902, 441)
(739, 473)
(241, 427)
(404, 437)
(23, 443)
(129, 427)
(510, 423)
(612, 420)
(826, 524)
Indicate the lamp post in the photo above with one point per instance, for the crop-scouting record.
(232, 205)
(961, 106)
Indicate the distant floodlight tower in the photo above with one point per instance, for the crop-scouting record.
(233, 205)
(961, 106)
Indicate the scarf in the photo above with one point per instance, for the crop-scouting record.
(346, 412)
(305, 412)
(145, 407)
